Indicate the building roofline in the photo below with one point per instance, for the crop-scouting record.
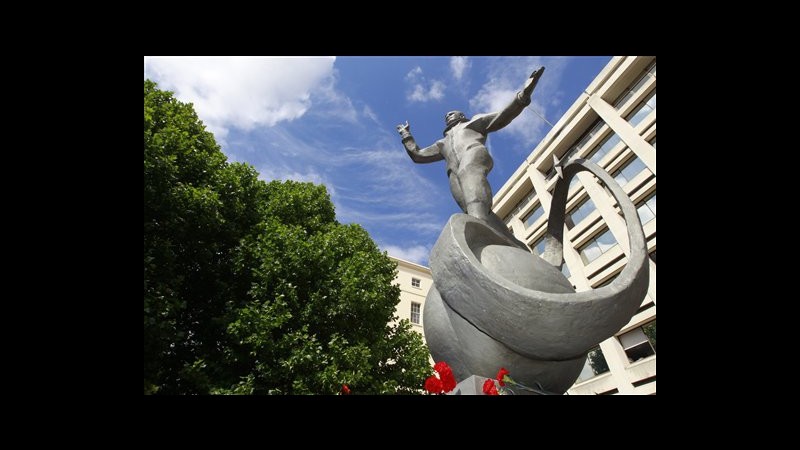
(411, 264)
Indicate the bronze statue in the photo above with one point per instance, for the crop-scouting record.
(494, 304)
(468, 160)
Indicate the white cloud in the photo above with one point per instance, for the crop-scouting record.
(283, 173)
(414, 73)
(369, 113)
(505, 78)
(417, 253)
(331, 103)
(243, 92)
(423, 90)
(268, 174)
(435, 92)
(390, 179)
(458, 64)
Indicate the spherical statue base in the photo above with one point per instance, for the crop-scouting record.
(474, 270)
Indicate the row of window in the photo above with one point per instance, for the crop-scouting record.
(644, 108)
(647, 209)
(604, 147)
(626, 172)
(518, 207)
(640, 112)
(579, 212)
(603, 242)
(622, 175)
(596, 246)
(638, 343)
(649, 72)
(533, 216)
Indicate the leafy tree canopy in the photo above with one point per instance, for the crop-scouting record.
(254, 287)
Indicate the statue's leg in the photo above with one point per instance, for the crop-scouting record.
(477, 193)
(455, 189)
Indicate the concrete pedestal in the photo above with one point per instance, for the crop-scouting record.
(474, 386)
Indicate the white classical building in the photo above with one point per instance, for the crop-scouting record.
(414, 281)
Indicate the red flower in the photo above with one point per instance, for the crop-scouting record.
(446, 375)
(345, 390)
(501, 374)
(433, 385)
(489, 388)
(445, 382)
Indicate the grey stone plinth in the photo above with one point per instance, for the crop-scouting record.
(471, 386)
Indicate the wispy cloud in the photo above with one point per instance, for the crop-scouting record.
(269, 173)
(369, 176)
(459, 64)
(329, 103)
(423, 90)
(242, 92)
(370, 114)
(417, 223)
(416, 253)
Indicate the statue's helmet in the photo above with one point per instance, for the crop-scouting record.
(454, 117)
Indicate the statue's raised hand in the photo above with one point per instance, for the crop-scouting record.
(531, 82)
(404, 130)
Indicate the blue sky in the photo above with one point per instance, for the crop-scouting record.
(332, 121)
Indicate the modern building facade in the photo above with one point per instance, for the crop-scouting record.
(415, 281)
(613, 123)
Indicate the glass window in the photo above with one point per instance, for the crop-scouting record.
(565, 270)
(647, 210)
(608, 281)
(521, 204)
(575, 182)
(580, 212)
(632, 168)
(605, 241)
(653, 143)
(640, 342)
(415, 282)
(627, 95)
(534, 215)
(603, 149)
(539, 247)
(634, 88)
(597, 246)
(415, 312)
(595, 365)
(644, 108)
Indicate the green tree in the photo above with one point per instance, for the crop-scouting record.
(253, 287)
(598, 361)
(650, 332)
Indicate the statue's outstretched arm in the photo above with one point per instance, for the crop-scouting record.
(426, 155)
(499, 120)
